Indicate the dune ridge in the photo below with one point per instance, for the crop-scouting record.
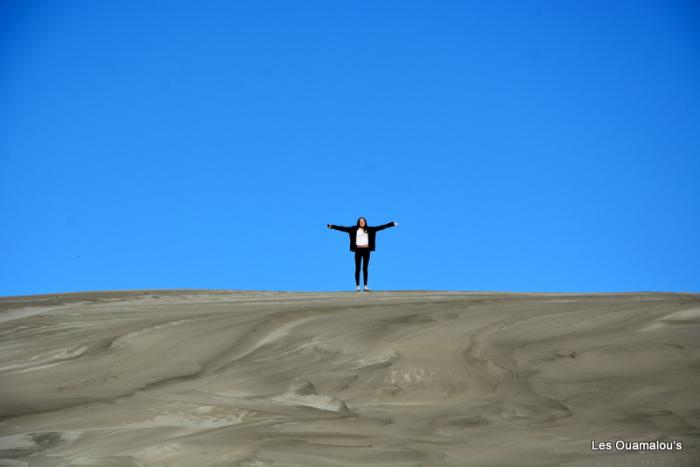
(396, 378)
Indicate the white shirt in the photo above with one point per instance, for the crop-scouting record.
(362, 239)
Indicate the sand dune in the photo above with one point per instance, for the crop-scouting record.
(410, 378)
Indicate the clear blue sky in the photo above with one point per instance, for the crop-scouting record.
(522, 146)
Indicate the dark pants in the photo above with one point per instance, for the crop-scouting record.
(361, 253)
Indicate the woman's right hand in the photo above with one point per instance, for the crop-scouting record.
(330, 226)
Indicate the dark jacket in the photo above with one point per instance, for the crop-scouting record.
(371, 234)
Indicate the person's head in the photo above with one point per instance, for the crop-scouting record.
(362, 222)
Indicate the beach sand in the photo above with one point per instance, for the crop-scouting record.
(396, 378)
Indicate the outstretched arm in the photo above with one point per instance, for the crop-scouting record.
(387, 225)
(338, 227)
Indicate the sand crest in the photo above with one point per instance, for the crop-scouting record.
(404, 378)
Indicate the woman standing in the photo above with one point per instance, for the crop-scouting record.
(362, 241)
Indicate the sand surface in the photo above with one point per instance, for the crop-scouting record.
(409, 378)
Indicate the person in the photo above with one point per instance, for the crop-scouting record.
(362, 242)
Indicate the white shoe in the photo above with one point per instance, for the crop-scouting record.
(366, 289)
(357, 288)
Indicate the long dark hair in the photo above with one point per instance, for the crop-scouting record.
(358, 223)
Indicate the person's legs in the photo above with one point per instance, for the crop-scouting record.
(358, 257)
(365, 265)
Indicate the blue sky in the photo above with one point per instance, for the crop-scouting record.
(522, 146)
